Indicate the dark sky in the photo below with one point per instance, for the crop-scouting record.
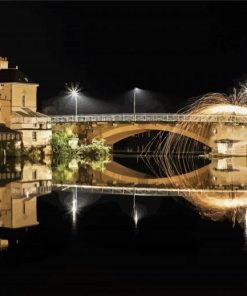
(176, 50)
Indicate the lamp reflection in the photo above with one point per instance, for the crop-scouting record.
(74, 207)
(76, 203)
(135, 211)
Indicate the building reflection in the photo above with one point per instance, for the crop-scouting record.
(20, 185)
(4, 243)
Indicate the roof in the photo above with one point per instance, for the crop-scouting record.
(5, 129)
(26, 112)
(14, 75)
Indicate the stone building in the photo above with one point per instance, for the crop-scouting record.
(18, 107)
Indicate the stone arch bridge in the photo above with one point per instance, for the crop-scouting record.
(210, 130)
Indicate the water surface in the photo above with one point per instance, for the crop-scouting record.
(59, 238)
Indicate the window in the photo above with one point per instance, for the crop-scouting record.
(34, 174)
(34, 136)
(23, 101)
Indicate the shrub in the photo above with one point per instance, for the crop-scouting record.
(96, 154)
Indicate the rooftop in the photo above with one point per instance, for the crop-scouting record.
(13, 75)
(5, 129)
(26, 112)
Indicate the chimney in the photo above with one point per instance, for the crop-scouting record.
(4, 64)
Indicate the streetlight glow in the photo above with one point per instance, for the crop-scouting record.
(136, 89)
(73, 90)
(74, 93)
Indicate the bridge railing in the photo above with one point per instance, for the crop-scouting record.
(147, 191)
(149, 117)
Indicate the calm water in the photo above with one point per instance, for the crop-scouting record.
(58, 239)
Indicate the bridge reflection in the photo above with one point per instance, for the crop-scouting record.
(217, 190)
(221, 174)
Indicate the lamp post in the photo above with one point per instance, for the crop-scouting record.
(74, 94)
(134, 102)
(73, 90)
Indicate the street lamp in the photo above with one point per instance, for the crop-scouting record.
(134, 102)
(74, 91)
(75, 94)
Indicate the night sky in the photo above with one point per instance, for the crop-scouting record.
(174, 50)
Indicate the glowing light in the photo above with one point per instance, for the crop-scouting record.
(74, 210)
(74, 93)
(221, 138)
(136, 218)
(227, 203)
(75, 204)
(187, 137)
(135, 212)
(73, 89)
(243, 88)
(225, 109)
(74, 207)
(222, 164)
(222, 148)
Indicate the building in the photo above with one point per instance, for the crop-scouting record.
(18, 108)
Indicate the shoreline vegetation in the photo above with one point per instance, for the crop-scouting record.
(95, 154)
(8, 150)
(66, 149)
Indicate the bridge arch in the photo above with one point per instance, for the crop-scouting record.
(116, 172)
(114, 134)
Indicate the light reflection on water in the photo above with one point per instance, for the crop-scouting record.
(215, 188)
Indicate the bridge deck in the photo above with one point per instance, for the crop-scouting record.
(148, 117)
(142, 190)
